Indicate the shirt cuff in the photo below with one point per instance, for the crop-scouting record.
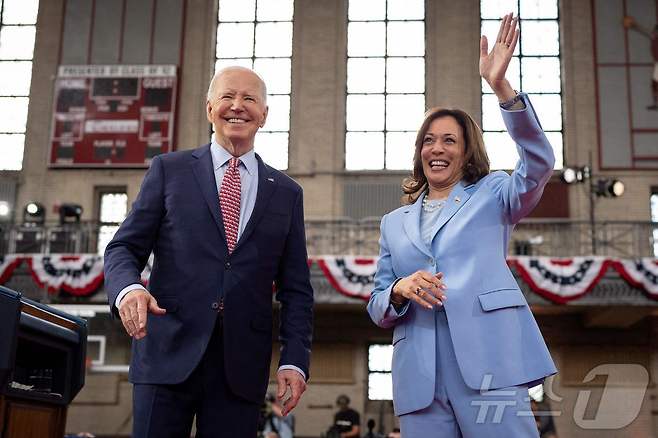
(124, 291)
(292, 367)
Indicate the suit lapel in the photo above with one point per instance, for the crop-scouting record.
(412, 226)
(458, 197)
(205, 177)
(267, 183)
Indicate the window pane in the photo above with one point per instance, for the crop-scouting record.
(275, 73)
(278, 116)
(11, 157)
(513, 75)
(492, 120)
(497, 8)
(274, 10)
(538, 9)
(365, 75)
(400, 150)
(237, 10)
(366, 10)
(549, 110)
(114, 207)
(223, 63)
(405, 38)
(13, 114)
(273, 148)
(541, 74)
(235, 40)
(274, 39)
(380, 386)
(404, 112)
(556, 140)
(365, 39)
(489, 29)
(405, 75)
(16, 77)
(20, 11)
(17, 42)
(365, 113)
(406, 9)
(380, 357)
(501, 150)
(105, 235)
(540, 38)
(364, 150)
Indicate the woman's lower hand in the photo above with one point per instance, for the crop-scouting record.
(422, 287)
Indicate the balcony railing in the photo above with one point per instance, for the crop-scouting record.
(360, 237)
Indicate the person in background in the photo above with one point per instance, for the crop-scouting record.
(346, 421)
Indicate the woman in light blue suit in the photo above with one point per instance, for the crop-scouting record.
(465, 352)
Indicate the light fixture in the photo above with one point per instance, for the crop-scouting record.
(69, 213)
(609, 188)
(571, 175)
(34, 213)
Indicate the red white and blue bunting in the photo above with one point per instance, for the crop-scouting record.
(559, 280)
(349, 275)
(641, 273)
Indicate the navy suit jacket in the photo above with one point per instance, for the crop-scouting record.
(177, 216)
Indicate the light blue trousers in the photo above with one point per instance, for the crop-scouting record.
(459, 411)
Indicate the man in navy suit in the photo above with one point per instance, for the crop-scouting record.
(224, 227)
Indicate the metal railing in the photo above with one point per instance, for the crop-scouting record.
(361, 237)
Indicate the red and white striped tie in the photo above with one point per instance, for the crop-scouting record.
(229, 201)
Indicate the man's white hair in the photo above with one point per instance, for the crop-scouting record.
(213, 81)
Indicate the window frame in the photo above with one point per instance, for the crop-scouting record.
(520, 56)
(253, 58)
(385, 93)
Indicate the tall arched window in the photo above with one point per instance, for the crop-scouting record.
(258, 34)
(18, 20)
(535, 69)
(385, 82)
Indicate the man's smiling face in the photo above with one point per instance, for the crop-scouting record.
(237, 108)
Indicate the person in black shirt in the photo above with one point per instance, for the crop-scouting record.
(347, 420)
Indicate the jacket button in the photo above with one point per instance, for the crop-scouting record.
(227, 265)
(214, 306)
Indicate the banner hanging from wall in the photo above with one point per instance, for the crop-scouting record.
(112, 115)
(558, 280)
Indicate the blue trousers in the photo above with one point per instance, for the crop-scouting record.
(167, 411)
(459, 411)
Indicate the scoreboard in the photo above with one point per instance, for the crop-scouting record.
(110, 116)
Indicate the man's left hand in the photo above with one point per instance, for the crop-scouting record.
(293, 380)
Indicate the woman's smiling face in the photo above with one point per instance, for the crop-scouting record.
(442, 153)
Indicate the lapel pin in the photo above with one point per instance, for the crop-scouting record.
(270, 179)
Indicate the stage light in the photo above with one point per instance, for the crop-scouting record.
(69, 213)
(34, 213)
(609, 188)
(572, 175)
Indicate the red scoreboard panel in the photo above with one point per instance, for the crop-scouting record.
(112, 115)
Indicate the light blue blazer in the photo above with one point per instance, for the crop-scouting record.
(495, 337)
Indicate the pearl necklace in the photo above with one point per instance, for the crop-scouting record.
(432, 205)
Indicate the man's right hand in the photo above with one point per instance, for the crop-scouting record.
(133, 309)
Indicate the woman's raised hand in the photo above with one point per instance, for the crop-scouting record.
(493, 65)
